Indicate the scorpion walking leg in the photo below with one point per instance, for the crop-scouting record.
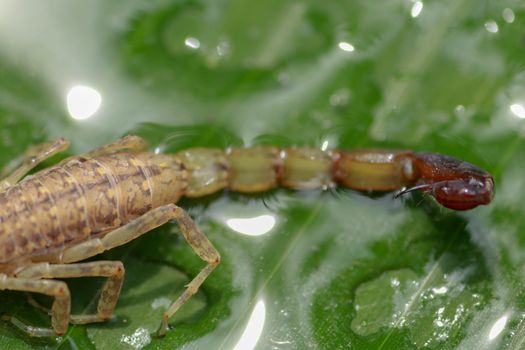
(32, 157)
(154, 218)
(60, 311)
(204, 249)
(114, 270)
(132, 143)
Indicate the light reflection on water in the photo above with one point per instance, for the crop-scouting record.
(518, 110)
(346, 46)
(498, 327)
(248, 219)
(255, 226)
(508, 15)
(192, 43)
(416, 9)
(440, 290)
(83, 102)
(252, 333)
(139, 339)
(491, 27)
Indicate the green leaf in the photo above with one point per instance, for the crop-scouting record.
(336, 269)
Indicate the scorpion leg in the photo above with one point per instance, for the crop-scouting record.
(132, 143)
(32, 157)
(59, 311)
(114, 270)
(204, 249)
(154, 218)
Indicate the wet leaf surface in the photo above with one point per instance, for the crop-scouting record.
(323, 270)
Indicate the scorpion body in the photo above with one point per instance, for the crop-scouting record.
(88, 204)
(82, 199)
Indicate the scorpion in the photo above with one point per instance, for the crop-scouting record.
(57, 217)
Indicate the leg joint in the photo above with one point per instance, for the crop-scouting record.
(119, 269)
(61, 290)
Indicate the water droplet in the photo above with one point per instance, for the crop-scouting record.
(416, 9)
(223, 49)
(163, 303)
(508, 15)
(518, 110)
(192, 43)
(440, 290)
(491, 26)
(340, 98)
(139, 339)
(284, 313)
(459, 111)
(345, 46)
(394, 282)
(381, 302)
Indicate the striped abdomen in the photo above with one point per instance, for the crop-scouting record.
(71, 202)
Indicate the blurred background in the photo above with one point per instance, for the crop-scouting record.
(301, 270)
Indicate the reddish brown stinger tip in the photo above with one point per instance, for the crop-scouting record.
(454, 183)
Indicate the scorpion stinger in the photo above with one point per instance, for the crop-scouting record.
(423, 187)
